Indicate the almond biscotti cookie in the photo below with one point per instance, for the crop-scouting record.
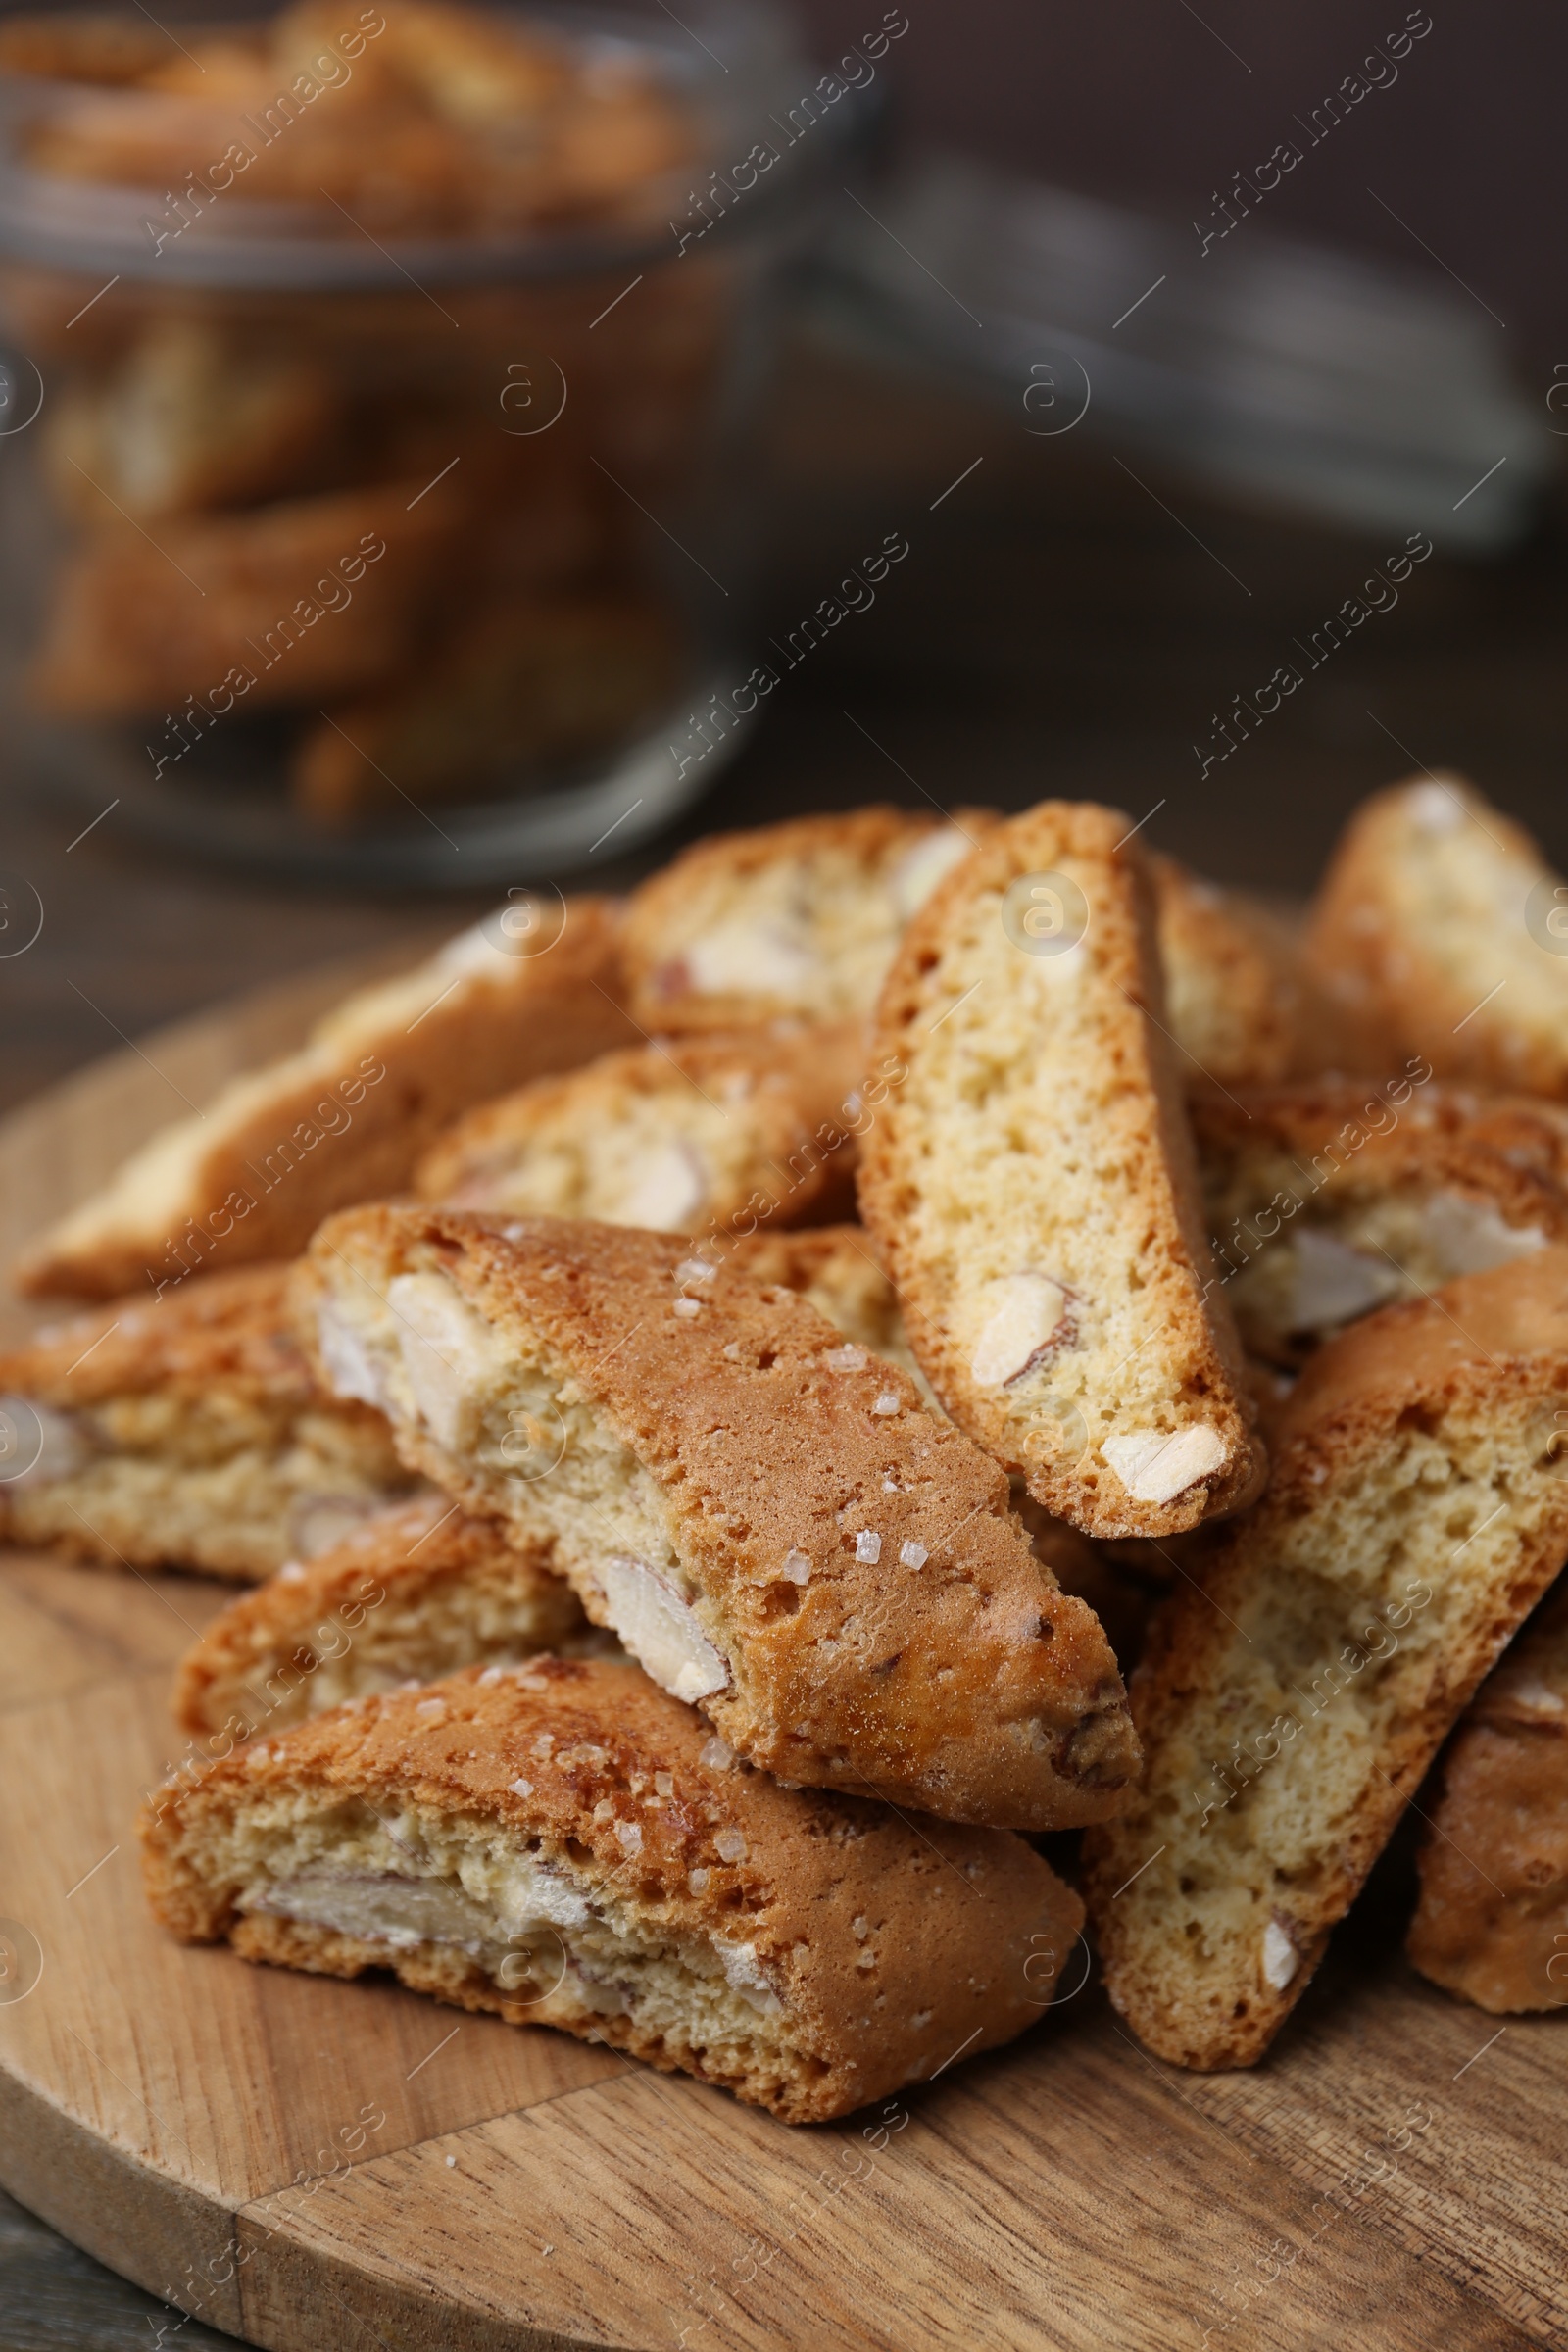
(409, 1596)
(1491, 1924)
(1295, 1692)
(564, 1845)
(1234, 995)
(1329, 1198)
(187, 1431)
(794, 919)
(1031, 1187)
(804, 917)
(1441, 930)
(762, 1513)
(531, 990)
(688, 1137)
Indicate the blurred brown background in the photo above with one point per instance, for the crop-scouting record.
(1152, 102)
(1060, 626)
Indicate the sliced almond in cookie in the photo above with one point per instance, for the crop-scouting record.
(799, 918)
(1332, 1197)
(726, 1488)
(1156, 1468)
(1031, 1189)
(1031, 1313)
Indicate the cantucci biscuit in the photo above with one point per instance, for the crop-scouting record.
(804, 917)
(1032, 1190)
(564, 1845)
(411, 1596)
(1297, 1687)
(187, 1431)
(1440, 930)
(1234, 996)
(1329, 1198)
(799, 918)
(1491, 1924)
(530, 991)
(759, 1509)
(688, 1137)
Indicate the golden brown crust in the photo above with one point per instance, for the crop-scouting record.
(1492, 1924)
(347, 1116)
(1005, 1156)
(1436, 931)
(188, 1432)
(814, 905)
(413, 1594)
(1414, 1515)
(689, 1137)
(890, 1944)
(878, 1618)
(232, 1326)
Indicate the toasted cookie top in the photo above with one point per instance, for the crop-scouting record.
(856, 1562)
(232, 1328)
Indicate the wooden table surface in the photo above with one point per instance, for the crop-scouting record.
(1058, 626)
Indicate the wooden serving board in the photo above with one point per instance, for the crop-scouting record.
(318, 2166)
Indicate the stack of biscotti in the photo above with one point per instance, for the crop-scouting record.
(1401, 1235)
(732, 1557)
(785, 1541)
(793, 924)
(670, 1442)
(188, 1431)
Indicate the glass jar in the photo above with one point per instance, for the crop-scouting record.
(375, 436)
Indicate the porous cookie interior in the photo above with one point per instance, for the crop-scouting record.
(1364, 1616)
(1035, 1202)
(385, 1637)
(526, 1443)
(1344, 1251)
(498, 1918)
(1459, 889)
(220, 1482)
(662, 1152)
(812, 933)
